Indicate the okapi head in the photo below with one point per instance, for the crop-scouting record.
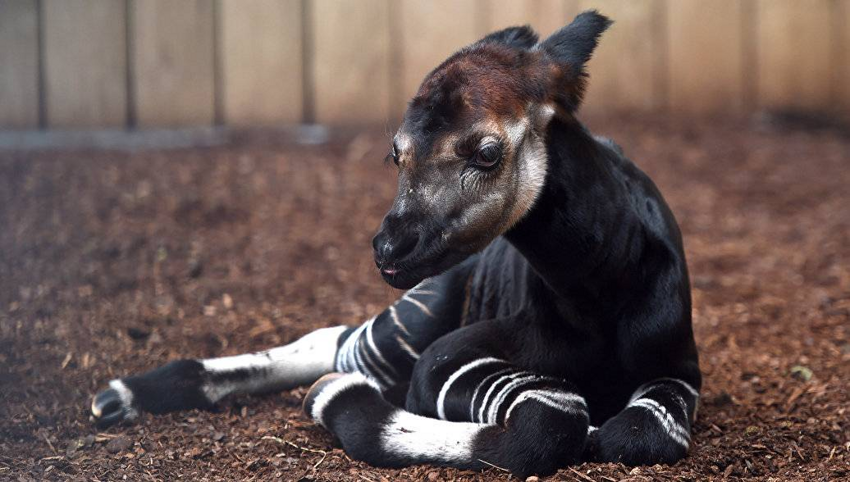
(471, 150)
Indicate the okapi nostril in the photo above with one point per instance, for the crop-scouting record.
(403, 248)
(389, 250)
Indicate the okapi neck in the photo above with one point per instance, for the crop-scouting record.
(573, 236)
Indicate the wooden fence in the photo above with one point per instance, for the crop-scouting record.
(162, 63)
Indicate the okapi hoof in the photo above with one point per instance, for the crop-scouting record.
(113, 405)
(336, 390)
(316, 389)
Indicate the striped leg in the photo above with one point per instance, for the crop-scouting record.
(492, 414)
(655, 427)
(186, 384)
(384, 348)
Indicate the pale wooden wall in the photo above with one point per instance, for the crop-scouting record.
(165, 63)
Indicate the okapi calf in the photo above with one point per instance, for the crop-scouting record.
(550, 317)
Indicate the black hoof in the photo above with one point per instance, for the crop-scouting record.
(109, 408)
(316, 389)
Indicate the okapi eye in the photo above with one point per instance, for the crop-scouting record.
(487, 157)
(392, 156)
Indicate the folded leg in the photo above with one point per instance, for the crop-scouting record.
(655, 427)
(467, 411)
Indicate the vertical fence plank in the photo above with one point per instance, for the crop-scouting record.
(626, 70)
(545, 16)
(351, 49)
(172, 64)
(793, 45)
(18, 64)
(801, 56)
(432, 30)
(841, 34)
(260, 48)
(85, 63)
(548, 16)
(507, 13)
(706, 56)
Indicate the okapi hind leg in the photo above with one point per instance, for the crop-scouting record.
(532, 428)
(655, 427)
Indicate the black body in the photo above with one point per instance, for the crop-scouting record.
(551, 329)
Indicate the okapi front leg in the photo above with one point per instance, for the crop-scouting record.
(654, 428)
(189, 383)
(383, 348)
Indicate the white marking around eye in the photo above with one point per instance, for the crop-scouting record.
(402, 142)
(533, 164)
(487, 140)
(542, 117)
(516, 132)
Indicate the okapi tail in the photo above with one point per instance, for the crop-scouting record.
(540, 433)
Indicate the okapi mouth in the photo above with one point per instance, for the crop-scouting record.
(414, 269)
(400, 278)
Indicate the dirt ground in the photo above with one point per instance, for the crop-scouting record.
(114, 262)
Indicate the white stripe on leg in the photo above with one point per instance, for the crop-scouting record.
(421, 438)
(563, 401)
(374, 347)
(298, 363)
(486, 400)
(441, 398)
(333, 389)
(673, 429)
(481, 385)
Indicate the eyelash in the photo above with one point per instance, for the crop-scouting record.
(472, 177)
(487, 157)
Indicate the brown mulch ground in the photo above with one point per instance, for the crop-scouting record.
(116, 262)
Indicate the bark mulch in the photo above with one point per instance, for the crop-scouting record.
(114, 262)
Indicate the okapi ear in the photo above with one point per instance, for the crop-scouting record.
(574, 44)
(570, 48)
(517, 37)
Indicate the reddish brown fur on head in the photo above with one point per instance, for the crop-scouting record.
(471, 150)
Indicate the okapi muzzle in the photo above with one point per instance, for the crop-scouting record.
(471, 157)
